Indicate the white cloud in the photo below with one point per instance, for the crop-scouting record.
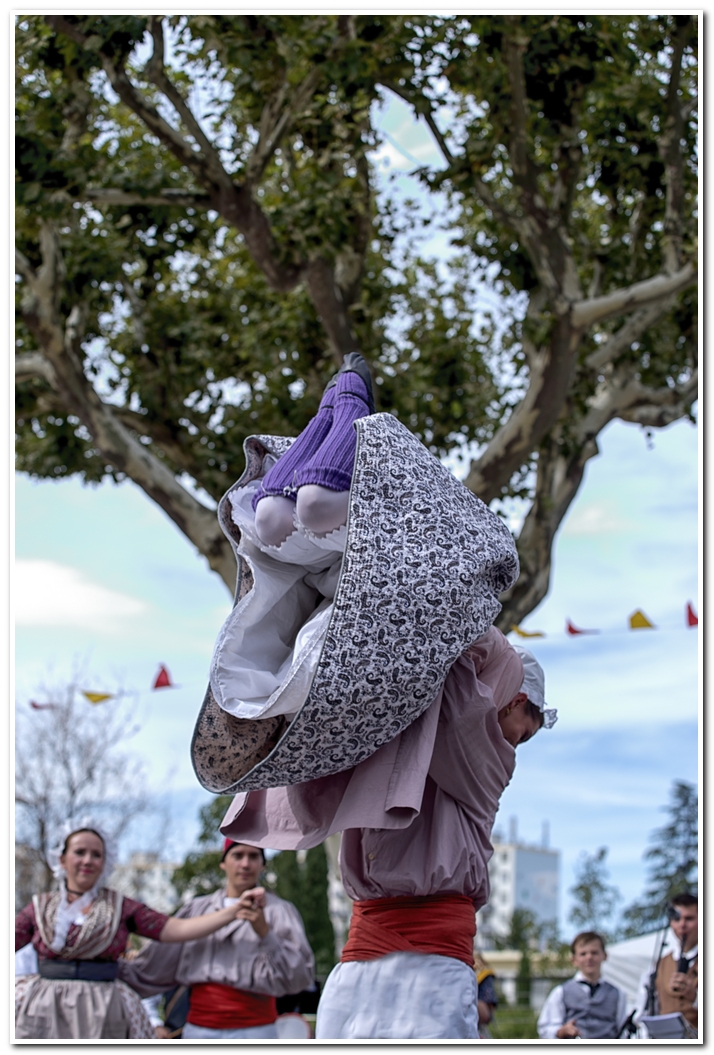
(594, 519)
(50, 594)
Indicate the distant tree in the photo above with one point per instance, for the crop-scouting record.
(301, 877)
(523, 936)
(199, 873)
(673, 856)
(594, 898)
(69, 762)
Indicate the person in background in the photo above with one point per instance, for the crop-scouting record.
(487, 1000)
(676, 980)
(586, 1006)
(234, 976)
(79, 933)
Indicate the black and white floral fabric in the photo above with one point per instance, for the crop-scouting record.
(424, 564)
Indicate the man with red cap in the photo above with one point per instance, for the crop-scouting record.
(235, 975)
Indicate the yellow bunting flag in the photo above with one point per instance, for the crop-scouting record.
(527, 633)
(97, 697)
(639, 621)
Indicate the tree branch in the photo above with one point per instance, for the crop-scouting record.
(525, 172)
(231, 201)
(423, 108)
(169, 196)
(670, 152)
(61, 346)
(329, 303)
(24, 267)
(30, 366)
(631, 331)
(276, 118)
(656, 407)
(558, 479)
(135, 101)
(156, 73)
(551, 372)
(586, 313)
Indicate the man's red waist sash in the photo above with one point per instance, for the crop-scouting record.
(217, 1006)
(444, 924)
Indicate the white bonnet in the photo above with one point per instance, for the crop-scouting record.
(111, 853)
(534, 685)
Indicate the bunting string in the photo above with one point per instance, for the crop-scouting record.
(637, 621)
(162, 680)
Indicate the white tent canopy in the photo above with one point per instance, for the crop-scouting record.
(627, 961)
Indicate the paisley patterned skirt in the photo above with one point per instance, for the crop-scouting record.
(335, 645)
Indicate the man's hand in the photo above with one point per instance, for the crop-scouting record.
(162, 1033)
(683, 985)
(569, 1030)
(250, 906)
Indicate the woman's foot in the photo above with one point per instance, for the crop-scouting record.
(357, 364)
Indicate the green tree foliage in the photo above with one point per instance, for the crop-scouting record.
(200, 872)
(673, 861)
(523, 935)
(202, 236)
(594, 899)
(303, 880)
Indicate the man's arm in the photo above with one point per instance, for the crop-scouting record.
(155, 968)
(552, 1016)
(284, 962)
(471, 760)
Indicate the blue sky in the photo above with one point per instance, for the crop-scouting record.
(627, 699)
(106, 582)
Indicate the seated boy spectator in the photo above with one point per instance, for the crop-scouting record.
(586, 1006)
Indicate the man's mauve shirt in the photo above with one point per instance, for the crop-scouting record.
(417, 815)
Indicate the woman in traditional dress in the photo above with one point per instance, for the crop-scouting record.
(79, 933)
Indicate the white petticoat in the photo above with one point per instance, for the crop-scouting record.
(270, 644)
(402, 996)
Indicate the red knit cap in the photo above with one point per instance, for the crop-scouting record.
(227, 843)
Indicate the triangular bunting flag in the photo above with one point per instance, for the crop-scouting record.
(691, 615)
(162, 680)
(97, 697)
(527, 633)
(44, 706)
(570, 629)
(639, 621)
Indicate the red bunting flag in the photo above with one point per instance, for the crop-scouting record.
(691, 615)
(570, 629)
(162, 680)
(44, 706)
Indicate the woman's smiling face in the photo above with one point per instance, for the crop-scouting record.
(83, 860)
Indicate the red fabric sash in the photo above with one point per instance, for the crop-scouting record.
(444, 924)
(223, 1007)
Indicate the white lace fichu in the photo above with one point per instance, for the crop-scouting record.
(66, 912)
